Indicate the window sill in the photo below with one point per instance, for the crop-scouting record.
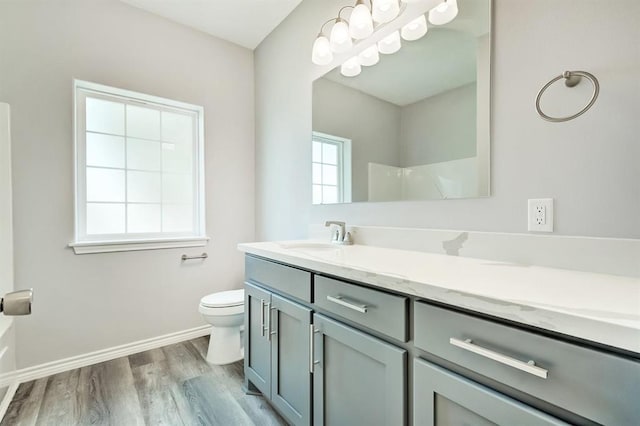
(89, 247)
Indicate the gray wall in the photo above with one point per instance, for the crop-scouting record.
(439, 128)
(371, 123)
(589, 165)
(90, 302)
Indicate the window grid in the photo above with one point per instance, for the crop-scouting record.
(126, 170)
(189, 153)
(161, 174)
(126, 173)
(322, 184)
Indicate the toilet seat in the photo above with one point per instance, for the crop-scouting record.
(221, 312)
(223, 299)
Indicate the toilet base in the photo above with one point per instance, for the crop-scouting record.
(225, 345)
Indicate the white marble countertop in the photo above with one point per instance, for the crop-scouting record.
(597, 307)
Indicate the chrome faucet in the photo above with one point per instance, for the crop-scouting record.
(341, 236)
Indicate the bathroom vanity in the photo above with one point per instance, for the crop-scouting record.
(368, 335)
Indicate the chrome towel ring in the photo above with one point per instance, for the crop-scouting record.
(571, 79)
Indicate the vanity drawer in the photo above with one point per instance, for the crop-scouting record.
(377, 310)
(599, 386)
(288, 280)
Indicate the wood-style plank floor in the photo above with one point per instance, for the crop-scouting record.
(173, 385)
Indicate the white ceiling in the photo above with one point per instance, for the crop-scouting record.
(244, 22)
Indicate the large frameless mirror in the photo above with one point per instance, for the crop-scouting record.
(413, 125)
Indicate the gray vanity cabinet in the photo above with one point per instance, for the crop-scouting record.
(358, 379)
(590, 383)
(257, 357)
(443, 398)
(278, 351)
(310, 349)
(290, 352)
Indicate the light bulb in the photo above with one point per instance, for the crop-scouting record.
(444, 13)
(384, 10)
(369, 56)
(351, 67)
(360, 22)
(442, 7)
(340, 39)
(415, 29)
(411, 1)
(321, 53)
(390, 44)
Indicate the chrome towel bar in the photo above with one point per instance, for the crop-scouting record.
(202, 256)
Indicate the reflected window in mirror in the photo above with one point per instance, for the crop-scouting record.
(331, 169)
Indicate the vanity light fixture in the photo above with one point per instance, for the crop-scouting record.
(351, 67)
(340, 39)
(360, 21)
(369, 56)
(384, 11)
(321, 53)
(444, 13)
(361, 26)
(415, 29)
(390, 44)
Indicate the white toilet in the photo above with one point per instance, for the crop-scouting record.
(225, 312)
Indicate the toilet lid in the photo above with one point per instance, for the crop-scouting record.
(223, 299)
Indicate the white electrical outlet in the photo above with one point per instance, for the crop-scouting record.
(540, 215)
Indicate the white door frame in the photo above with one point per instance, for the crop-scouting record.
(7, 333)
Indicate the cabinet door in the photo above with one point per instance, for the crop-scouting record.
(441, 397)
(257, 357)
(290, 373)
(358, 379)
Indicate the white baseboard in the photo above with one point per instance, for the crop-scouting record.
(6, 400)
(66, 364)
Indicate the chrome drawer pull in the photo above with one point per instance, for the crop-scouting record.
(341, 301)
(268, 326)
(312, 361)
(262, 330)
(528, 367)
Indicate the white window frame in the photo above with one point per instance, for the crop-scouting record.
(344, 164)
(83, 243)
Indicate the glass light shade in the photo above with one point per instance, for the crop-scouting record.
(360, 22)
(340, 39)
(369, 56)
(390, 44)
(321, 53)
(415, 29)
(444, 13)
(351, 67)
(385, 10)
